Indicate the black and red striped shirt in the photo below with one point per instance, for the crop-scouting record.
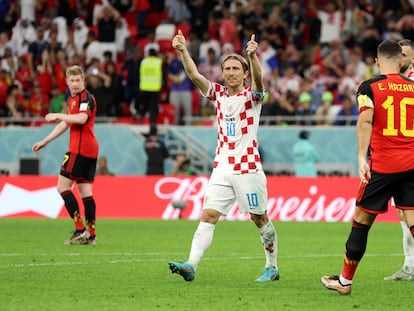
(82, 138)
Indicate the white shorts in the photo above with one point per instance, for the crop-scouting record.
(249, 190)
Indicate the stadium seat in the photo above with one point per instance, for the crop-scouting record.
(154, 19)
(142, 42)
(165, 45)
(166, 114)
(195, 102)
(185, 28)
(133, 30)
(123, 120)
(165, 32)
(94, 29)
(125, 110)
(131, 18)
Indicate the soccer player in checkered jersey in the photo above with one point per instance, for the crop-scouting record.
(406, 273)
(79, 163)
(385, 156)
(237, 171)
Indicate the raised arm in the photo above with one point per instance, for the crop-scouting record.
(179, 43)
(255, 69)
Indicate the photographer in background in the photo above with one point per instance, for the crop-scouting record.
(156, 151)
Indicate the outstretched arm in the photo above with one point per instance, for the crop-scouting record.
(56, 132)
(64, 121)
(255, 69)
(179, 43)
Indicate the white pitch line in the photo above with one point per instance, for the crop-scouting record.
(148, 260)
(231, 255)
(87, 254)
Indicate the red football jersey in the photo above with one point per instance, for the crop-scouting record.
(391, 96)
(82, 136)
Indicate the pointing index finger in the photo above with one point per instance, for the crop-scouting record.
(180, 33)
(253, 37)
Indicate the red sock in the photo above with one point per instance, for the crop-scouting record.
(91, 228)
(355, 248)
(90, 214)
(77, 219)
(349, 268)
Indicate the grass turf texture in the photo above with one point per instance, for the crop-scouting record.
(128, 268)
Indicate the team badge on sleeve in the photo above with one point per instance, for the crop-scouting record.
(83, 106)
(364, 102)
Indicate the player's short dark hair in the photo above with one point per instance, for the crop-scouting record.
(389, 49)
(407, 42)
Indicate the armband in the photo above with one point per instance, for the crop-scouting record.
(258, 95)
(84, 106)
(364, 101)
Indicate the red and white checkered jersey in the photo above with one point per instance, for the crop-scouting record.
(411, 75)
(237, 122)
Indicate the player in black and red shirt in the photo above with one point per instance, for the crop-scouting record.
(406, 273)
(79, 163)
(385, 132)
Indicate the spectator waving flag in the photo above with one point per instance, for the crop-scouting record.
(268, 59)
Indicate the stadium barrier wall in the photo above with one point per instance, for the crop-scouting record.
(126, 155)
(322, 199)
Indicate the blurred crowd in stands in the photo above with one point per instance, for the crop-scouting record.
(314, 53)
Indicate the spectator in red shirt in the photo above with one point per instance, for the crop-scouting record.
(228, 29)
(59, 67)
(4, 86)
(44, 73)
(38, 102)
(24, 75)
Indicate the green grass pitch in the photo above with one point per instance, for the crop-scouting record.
(128, 268)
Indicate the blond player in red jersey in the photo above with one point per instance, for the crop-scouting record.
(406, 273)
(385, 133)
(79, 163)
(237, 169)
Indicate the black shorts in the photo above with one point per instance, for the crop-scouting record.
(79, 168)
(374, 196)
